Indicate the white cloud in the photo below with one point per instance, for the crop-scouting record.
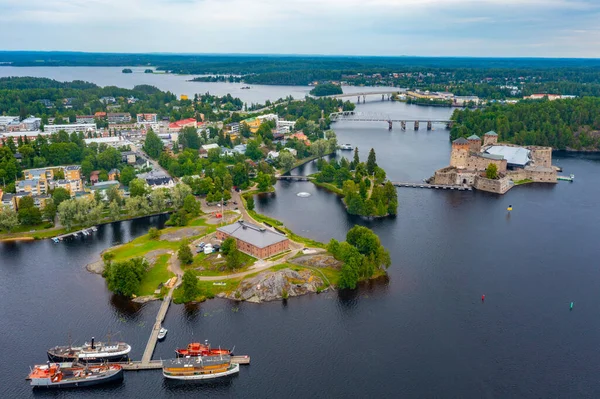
(392, 27)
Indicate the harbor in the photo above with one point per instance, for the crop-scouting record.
(83, 233)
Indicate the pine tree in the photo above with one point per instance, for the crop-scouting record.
(371, 162)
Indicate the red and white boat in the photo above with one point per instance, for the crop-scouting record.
(198, 349)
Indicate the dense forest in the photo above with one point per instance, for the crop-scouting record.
(23, 96)
(561, 124)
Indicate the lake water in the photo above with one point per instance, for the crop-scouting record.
(177, 84)
(424, 333)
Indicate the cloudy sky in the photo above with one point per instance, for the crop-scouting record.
(536, 28)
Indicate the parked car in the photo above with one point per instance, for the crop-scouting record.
(216, 247)
(201, 245)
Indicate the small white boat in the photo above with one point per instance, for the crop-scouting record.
(55, 240)
(162, 333)
(94, 228)
(346, 147)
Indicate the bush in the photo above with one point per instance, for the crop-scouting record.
(185, 254)
(154, 233)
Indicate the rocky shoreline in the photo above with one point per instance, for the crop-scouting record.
(272, 286)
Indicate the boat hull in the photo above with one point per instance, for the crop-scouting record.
(112, 377)
(234, 368)
(96, 359)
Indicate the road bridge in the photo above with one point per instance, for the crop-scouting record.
(356, 116)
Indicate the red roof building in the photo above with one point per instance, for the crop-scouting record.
(177, 126)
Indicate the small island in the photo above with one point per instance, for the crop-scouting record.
(149, 71)
(127, 70)
(363, 185)
(327, 89)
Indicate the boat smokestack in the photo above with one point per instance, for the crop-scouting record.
(92, 342)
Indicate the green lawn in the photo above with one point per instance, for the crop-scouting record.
(524, 181)
(157, 274)
(209, 289)
(328, 186)
(210, 262)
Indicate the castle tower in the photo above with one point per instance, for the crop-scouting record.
(460, 153)
(474, 143)
(490, 138)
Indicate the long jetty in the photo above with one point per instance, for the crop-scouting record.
(86, 231)
(160, 317)
(432, 186)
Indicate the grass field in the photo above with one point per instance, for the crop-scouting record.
(157, 274)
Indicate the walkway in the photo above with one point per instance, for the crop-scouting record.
(160, 317)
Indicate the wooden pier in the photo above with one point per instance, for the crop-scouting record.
(160, 317)
(83, 232)
(432, 186)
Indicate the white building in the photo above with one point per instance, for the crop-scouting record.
(7, 120)
(110, 141)
(74, 127)
(268, 117)
(85, 119)
(118, 117)
(31, 123)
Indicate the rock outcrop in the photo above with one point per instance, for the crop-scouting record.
(272, 286)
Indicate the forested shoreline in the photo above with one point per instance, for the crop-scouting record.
(571, 124)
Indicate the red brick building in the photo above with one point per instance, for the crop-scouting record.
(254, 240)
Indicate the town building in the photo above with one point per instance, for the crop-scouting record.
(100, 115)
(160, 182)
(94, 177)
(118, 117)
(147, 118)
(7, 120)
(233, 128)
(253, 240)
(110, 141)
(129, 157)
(252, 123)
(40, 173)
(469, 160)
(30, 124)
(206, 148)
(177, 126)
(7, 199)
(32, 186)
(108, 100)
(72, 186)
(113, 174)
(72, 172)
(85, 119)
(70, 128)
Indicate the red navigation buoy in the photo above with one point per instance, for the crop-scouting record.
(482, 298)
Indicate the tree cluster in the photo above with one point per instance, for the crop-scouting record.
(124, 278)
(362, 255)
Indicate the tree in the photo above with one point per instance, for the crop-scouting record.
(127, 175)
(154, 233)
(153, 145)
(491, 172)
(60, 195)
(190, 286)
(287, 160)
(114, 209)
(363, 239)
(138, 188)
(253, 151)
(234, 259)
(228, 245)
(125, 277)
(67, 211)
(28, 213)
(179, 193)
(250, 203)
(158, 198)
(264, 181)
(371, 162)
(355, 160)
(49, 211)
(185, 253)
(191, 206)
(113, 194)
(8, 218)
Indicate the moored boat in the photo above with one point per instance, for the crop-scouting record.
(94, 352)
(162, 333)
(198, 349)
(73, 375)
(346, 147)
(199, 368)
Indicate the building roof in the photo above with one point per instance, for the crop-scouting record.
(210, 146)
(158, 181)
(258, 236)
(106, 184)
(460, 140)
(491, 133)
(72, 167)
(473, 137)
(514, 155)
(113, 170)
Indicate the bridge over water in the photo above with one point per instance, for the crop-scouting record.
(356, 116)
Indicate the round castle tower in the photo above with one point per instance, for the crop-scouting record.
(460, 153)
(474, 143)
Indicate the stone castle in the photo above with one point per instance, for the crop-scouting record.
(470, 158)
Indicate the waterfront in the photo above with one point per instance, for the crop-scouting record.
(177, 84)
(425, 333)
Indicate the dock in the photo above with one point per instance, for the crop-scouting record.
(160, 317)
(432, 186)
(84, 232)
(566, 178)
(157, 364)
